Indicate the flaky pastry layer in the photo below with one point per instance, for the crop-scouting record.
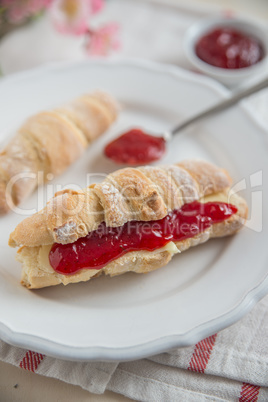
(143, 194)
(50, 142)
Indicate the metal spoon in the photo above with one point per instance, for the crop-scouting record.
(136, 147)
(233, 99)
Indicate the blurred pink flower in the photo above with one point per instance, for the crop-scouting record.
(96, 5)
(18, 11)
(103, 40)
(72, 16)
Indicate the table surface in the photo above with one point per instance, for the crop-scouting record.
(20, 385)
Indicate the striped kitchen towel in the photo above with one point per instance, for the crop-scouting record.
(231, 365)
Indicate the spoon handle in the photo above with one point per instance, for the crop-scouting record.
(221, 106)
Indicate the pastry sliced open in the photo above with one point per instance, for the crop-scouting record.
(135, 220)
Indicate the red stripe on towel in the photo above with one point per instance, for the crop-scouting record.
(249, 393)
(201, 355)
(31, 361)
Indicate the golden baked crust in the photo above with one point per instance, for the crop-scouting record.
(143, 194)
(36, 145)
(146, 193)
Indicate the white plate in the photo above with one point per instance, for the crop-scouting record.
(202, 290)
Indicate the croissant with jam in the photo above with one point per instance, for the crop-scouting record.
(135, 220)
(50, 142)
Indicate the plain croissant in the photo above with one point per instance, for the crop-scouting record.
(49, 142)
(142, 194)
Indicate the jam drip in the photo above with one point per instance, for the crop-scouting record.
(106, 244)
(135, 147)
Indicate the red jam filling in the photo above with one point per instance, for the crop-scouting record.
(229, 48)
(106, 244)
(135, 147)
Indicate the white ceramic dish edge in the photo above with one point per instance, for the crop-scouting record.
(139, 351)
(162, 344)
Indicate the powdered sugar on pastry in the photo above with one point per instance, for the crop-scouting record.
(113, 203)
(126, 195)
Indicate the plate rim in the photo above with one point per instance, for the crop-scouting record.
(162, 344)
